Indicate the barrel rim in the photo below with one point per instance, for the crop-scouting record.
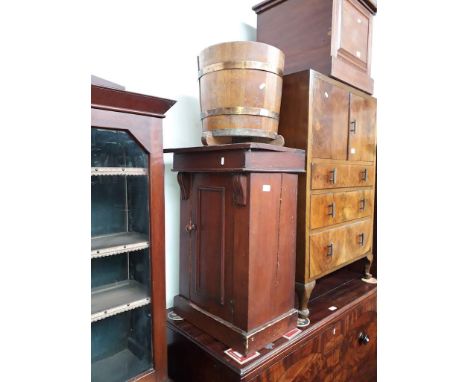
(268, 46)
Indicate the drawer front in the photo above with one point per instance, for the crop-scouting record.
(359, 346)
(332, 336)
(331, 248)
(331, 175)
(354, 36)
(338, 207)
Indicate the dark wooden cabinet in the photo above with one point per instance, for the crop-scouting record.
(333, 37)
(340, 344)
(336, 125)
(238, 240)
(128, 334)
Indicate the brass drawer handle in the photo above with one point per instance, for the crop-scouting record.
(332, 176)
(330, 250)
(352, 127)
(364, 175)
(361, 239)
(331, 210)
(362, 204)
(363, 338)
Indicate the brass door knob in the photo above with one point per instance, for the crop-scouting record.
(363, 338)
(190, 227)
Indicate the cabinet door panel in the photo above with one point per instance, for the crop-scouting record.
(362, 120)
(209, 278)
(330, 107)
(332, 175)
(338, 207)
(355, 31)
(336, 246)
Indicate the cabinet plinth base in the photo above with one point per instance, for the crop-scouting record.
(244, 342)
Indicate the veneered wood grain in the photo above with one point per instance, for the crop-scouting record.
(363, 140)
(286, 359)
(345, 175)
(346, 246)
(330, 110)
(338, 207)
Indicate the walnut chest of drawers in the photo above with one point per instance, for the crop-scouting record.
(331, 36)
(336, 125)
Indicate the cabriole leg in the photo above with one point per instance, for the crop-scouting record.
(303, 293)
(367, 266)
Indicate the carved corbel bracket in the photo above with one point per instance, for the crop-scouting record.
(239, 183)
(185, 183)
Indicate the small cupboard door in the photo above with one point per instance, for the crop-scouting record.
(355, 30)
(330, 108)
(208, 230)
(362, 119)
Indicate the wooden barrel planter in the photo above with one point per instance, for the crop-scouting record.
(240, 92)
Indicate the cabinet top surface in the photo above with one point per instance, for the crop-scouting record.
(371, 5)
(250, 146)
(124, 101)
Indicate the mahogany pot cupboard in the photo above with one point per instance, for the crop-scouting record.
(336, 125)
(128, 328)
(333, 37)
(238, 241)
(340, 344)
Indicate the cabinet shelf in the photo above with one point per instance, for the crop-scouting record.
(110, 369)
(135, 171)
(118, 243)
(107, 301)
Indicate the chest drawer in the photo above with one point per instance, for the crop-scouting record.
(359, 345)
(333, 175)
(337, 207)
(334, 247)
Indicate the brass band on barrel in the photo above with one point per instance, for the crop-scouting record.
(241, 132)
(240, 110)
(255, 65)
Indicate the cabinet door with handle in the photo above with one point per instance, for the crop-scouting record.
(210, 281)
(330, 107)
(362, 117)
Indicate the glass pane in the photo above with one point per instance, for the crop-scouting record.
(121, 346)
(113, 148)
(119, 203)
(120, 258)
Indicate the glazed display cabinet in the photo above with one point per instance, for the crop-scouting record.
(127, 237)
